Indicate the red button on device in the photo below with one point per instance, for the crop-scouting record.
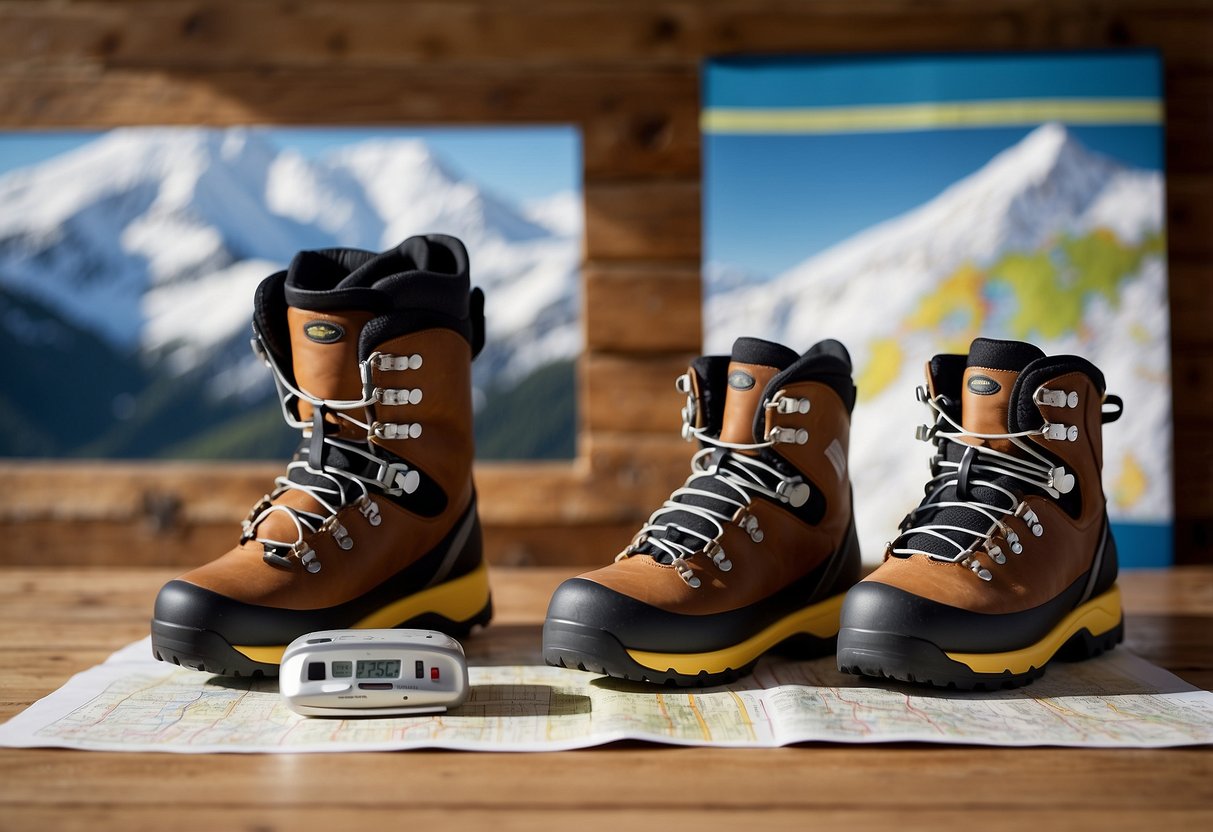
(433, 674)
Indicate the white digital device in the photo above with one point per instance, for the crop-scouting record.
(373, 673)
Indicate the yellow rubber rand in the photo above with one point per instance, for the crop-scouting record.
(459, 600)
(1097, 616)
(820, 620)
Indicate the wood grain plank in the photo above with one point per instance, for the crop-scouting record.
(1189, 106)
(352, 32)
(592, 816)
(1193, 461)
(162, 495)
(631, 393)
(642, 220)
(185, 514)
(546, 32)
(573, 540)
(633, 123)
(773, 780)
(642, 307)
(1190, 216)
(1190, 284)
(1192, 382)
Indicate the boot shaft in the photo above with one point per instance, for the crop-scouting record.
(1015, 506)
(1003, 387)
(798, 405)
(377, 350)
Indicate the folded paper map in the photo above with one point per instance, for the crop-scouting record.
(134, 703)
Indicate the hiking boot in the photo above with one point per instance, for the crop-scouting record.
(374, 523)
(754, 551)
(1008, 561)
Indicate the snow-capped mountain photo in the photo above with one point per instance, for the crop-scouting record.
(146, 244)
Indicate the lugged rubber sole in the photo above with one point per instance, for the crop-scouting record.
(453, 607)
(806, 632)
(1087, 631)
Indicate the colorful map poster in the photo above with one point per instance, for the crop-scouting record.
(906, 205)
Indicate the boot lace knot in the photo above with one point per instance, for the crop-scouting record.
(720, 490)
(331, 486)
(977, 467)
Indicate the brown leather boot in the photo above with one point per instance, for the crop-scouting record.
(753, 551)
(1007, 561)
(374, 523)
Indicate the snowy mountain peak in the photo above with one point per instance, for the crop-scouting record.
(1042, 150)
(1044, 185)
(91, 232)
(1046, 182)
(1046, 154)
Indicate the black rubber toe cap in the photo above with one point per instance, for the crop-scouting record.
(640, 626)
(593, 605)
(875, 607)
(183, 604)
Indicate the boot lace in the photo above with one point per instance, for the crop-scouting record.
(738, 480)
(977, 467)
(332, 486)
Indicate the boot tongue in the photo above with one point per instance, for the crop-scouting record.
(989, 377)
(324, 353)
(985, 396)
(753, 364)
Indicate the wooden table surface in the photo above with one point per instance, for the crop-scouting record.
(55, 622)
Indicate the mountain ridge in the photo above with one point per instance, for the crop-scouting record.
(153, 240)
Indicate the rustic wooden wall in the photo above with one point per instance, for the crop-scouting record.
(624, 71)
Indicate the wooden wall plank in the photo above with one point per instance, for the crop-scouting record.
(1190, 216)
(162, 495)
(1193, 462)
(378, 33)
(547, 33)
(642, 307)
(639, 469)
(1189, 111)
(642, 220)
(1192, 381)
(632, 123)
(1191, 289)
(631, 394)
(123, 543)
(183, 514)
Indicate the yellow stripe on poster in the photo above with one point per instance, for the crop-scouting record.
(932, 115)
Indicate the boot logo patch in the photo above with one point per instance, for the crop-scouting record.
(323, 332)
(740, 380)
(983, 386)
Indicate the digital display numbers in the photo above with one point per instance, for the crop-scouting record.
(375, 669)
(343, 670)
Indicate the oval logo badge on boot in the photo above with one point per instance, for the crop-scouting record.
(323, 332)
(983, 386)
(740, 380)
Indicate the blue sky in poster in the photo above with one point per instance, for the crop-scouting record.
(520, 163)
(774, 199)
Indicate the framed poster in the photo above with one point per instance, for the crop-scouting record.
(908, 204)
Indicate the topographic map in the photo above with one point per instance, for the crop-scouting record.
(133, 703)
